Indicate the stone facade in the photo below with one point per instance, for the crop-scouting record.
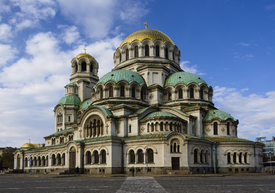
(146, 113)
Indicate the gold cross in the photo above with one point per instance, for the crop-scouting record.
(85, 50)
(145, 23)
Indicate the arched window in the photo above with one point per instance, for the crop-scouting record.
(196, 156)
(103, 157)
(240, 158)
(173, 56)
(166, 53)
(150, 154)
(215, 128)
(91, 68)
(96, 157)
(234, 157)
(131, 156)
(157, 51)
(136, 52)
(133, 92)
(175, 147)
(101, 93)
(201, 93)
(88, 157)
(76, 67)
(171, 126)
(53, 160)
(228, 158)
(140, 156)
(122, 91)
(127, 54)
(83, 66)
(69, 118)
(146, 50)
(152, 127)
(130, 129)
(180, 93)
(161, 126)
(228, 128)
(191, 90)
(169, 96)
(142, 94)
(245, 158)
(110, 91)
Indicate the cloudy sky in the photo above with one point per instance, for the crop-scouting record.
(229, 43)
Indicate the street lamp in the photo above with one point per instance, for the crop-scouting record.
(214, 160)
(146, 160)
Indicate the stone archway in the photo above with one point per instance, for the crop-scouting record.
(72, 160)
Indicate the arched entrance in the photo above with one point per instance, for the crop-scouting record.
(72, 159)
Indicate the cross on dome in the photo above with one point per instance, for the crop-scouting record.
(85, 50)
(145, 23)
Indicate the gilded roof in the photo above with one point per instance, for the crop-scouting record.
(184, 78)
(159, 114)
(212, 114)
(69, 100)
(29, 145)
(119, 75)
(143, 34)
(85, 55)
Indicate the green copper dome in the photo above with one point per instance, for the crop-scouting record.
(119, 75)
(184, 78)
(212, 114)
(71, 84)
(69, 100)
(159, 114)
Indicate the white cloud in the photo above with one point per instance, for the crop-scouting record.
(69, 34)
(270, 7)
(193, 69)
(244, 44)
(7, 53)
(31, 12)
(5, 32)
(255, 112)
(133, 10)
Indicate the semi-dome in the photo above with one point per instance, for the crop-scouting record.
(85, 55)
(184, 78)
(28, 146)
(69, 100)
(159, 114)
(217, 114)
(143, 34)
(122, 75)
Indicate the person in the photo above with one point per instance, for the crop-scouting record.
(77, 171)
(133, 171)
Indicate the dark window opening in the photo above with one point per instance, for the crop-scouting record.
(180, 93)
(110, 91)
(150, 155)
(83, 66)
(146, 50)
(122, 91)
(166, 53)
(133, 92)
(136, 52)
(157, 51)
(228, 128)
(191, 93)
(215, 128)
(127, 54)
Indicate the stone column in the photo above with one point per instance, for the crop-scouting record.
(237, 158)
(88, 67)
(199, 157)
(151, 50)
(93, 159)
(99, 159)
(136, 158)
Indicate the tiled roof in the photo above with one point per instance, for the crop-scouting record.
(69, 100)
(212, 114)
(226, 139)
(159, 114)
(62, 132)
(85, 104)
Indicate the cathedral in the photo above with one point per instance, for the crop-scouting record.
(146, 113)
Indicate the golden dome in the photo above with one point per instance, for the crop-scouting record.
(143, 34)
(29, 145)
(85, 55)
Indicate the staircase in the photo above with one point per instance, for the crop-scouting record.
(178, 172)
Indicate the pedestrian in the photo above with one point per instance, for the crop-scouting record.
(133, 171)
(77, 171)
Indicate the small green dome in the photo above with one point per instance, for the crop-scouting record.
(85, 104)
(185, 78)
(69, 100)
(159, 114)
(119, 75)
(71, 84)
(212, 114)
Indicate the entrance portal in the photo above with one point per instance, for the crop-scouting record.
(175, 163)
(72, 160)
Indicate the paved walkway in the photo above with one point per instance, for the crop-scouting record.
(141, 184)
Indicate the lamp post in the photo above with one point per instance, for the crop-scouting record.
(214, 160)
(69, 162)
(146, 160)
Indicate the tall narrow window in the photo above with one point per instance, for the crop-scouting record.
(146, 50)
(196, 156)
(245, 158)
(171, 126)
(101, 93)
(173, 56)
(228, 158)
(83, 66)
(150, 155)
(103, 157)
(234, 157)
(175, 147)
(76, 67)
(201, 93)
(130, 129)
(133, 92)
(169, 96)
(136, 52)
(240, 158)
(122, 91)
(91, 68)
(110, 91)
(131, 156)
(166, 53)
(215, 128)
(157, 51)
(191, 90)
(161, 126)
(140, 156)
(228, 128)
(180, 93)
(127, 54)
(69, 118)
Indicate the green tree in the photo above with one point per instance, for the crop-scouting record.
(7, 158)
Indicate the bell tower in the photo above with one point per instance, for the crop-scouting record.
(84, 74)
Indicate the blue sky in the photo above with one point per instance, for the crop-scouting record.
(229, 43)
